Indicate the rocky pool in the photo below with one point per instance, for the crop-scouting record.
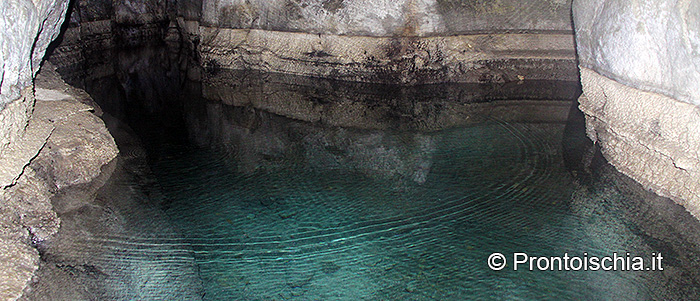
(266, 187)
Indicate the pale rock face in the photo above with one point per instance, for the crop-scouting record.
(640, 73)
(63, 144)
(653, 45)
(26, 29)
(19, 23)
(51, 14)
(387, 41)
(388, 17)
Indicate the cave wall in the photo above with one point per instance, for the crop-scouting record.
(640, 72)
(388, 18)
(27, 28)
(97, 31)
(639, 64)
(50, 138)
(117, 49)
(401, 42)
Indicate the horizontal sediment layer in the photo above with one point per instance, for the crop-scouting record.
(650, 137)
(400, 60)
(88, 50)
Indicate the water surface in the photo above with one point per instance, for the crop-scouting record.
(407, 199)
(272, 187)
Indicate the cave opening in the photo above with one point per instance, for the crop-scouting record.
(273, 154)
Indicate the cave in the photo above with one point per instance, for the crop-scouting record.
(349, 150)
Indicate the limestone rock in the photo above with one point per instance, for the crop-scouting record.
(29, 200)
(387, 18)
(76, 150)
(402, 42)
(18, 261)
(139, 12)
(397, 60)
(650, 137)
(26, 29)
(23, 138)
(640, 72)
(64, 144)
(652, 45)
(51, 14)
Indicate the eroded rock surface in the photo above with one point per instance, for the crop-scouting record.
(383, 106)
(402, 42)
(64, 144)
(398, 60)
(652, 45)
(27, 28)
(387, 18)
(640, 72)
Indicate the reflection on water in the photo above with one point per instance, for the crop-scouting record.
(378, 106)
(292, 188)
(277, 208)
(115, 242)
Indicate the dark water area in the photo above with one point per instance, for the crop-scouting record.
(275, 187)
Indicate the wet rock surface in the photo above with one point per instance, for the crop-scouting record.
(640, 71)
(622, 205)
(115, 242)
(405, 42)
(648, 136)
(386, 106)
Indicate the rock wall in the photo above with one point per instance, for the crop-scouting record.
(97, 31)
(402, 42)
(388, 18)
(64, 144)
(27, 28)
(49, 138)
(640, 72)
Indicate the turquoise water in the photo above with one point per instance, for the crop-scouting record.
(276, 208)
(275, 187)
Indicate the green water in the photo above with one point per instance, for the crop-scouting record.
(276, 209)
